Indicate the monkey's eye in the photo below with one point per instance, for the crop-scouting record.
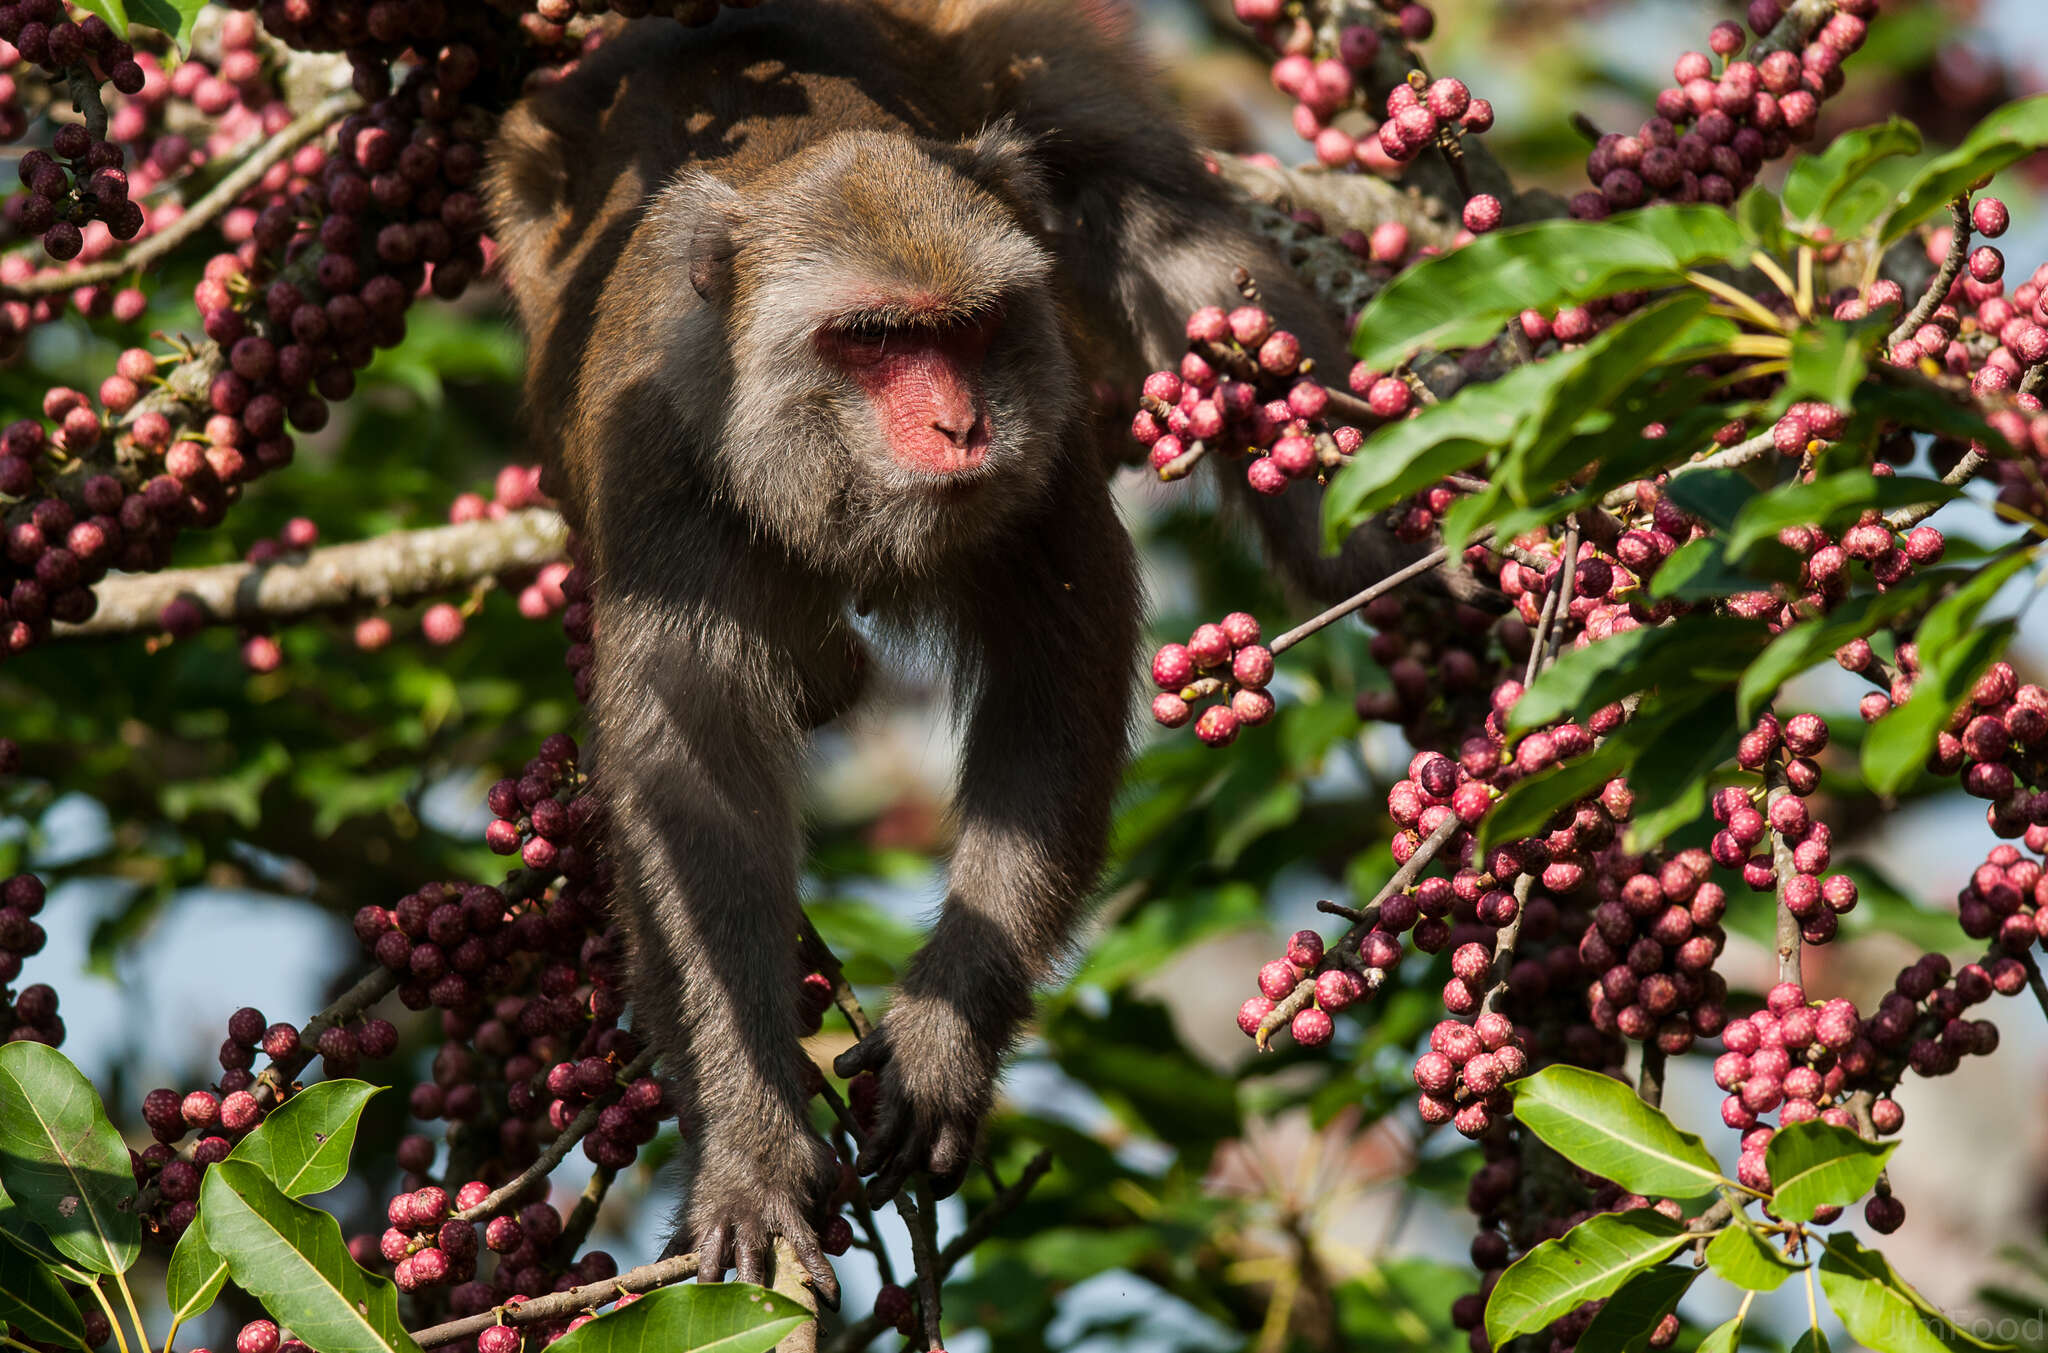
(866, 333)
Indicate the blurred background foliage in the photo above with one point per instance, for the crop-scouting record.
(208, 830)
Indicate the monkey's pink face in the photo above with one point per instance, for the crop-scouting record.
(924, 385)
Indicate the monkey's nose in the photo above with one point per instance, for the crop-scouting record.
(958, 426)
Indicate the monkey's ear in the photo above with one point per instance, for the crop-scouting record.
(708, 214)
(1006, 161)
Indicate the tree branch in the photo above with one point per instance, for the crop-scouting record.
(556, 1305)
(397, 566)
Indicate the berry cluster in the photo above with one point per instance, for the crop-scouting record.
(1714, 130)
(21, 935)
(1316, 983)
(1463, 1076)
(1224, 658)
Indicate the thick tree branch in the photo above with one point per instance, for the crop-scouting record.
(398, 566)
(556, 1305)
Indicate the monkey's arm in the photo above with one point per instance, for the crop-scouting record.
(1052, 630)
(696, 721)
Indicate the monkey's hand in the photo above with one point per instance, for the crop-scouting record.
(937, 1075)
(752, 1185)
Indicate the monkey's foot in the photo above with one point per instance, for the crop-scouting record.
(934, 1091)
(740, 1200)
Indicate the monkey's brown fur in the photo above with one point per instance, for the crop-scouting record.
(682, 218)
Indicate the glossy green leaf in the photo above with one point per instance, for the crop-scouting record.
(1743, 1257)
(1830, 357)
(303, 1147)
(1463, 298)
(195, 1275)
(1631, 1316)
(1817, 184)
(174, 17)
(1815, 1165)
(1671, 773)
(1829, 502)
(61, 1160)
(1876, 1305)
(1716, 497)
(1954, 651)
(1762, 218)
(304, 1144)
(1725, 1337)
(1599, 1124)
(18, 1231)
(32, 1299)
(1590, 1261)
(722, 1318)
(1815, 641)
(1592, 378)
(1405, 457)
(1533, 800)
(1704, 648)
(1812, 1341)
(112, 11)
(2008, 135)
(292, 1258)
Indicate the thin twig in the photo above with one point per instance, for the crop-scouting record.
(1789, 942)
(201, 213)
(555, 1305)
(1910, 516)
(564, 1142)
(576, 1229)
(862, 1332)
(820, 956)
(1504, 941)
(274, 1081)
(1650, 1081)
(1944, 277)
(924, 1252)
(1433, 559)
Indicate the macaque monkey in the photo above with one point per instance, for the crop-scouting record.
(813, 297)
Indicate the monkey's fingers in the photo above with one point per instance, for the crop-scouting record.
(867, 1055)
(889, 1180)
(812, 1256)
(884, 1143)
(751, 1257)
(951, 1154)
(711, 1253)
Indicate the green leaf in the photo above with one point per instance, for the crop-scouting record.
(292, 1258)
(1706, 648)
(62, 1161)
(1531, 802)
(1716, 497)
(22, 1234)
(1462, 298)
(303, 1148)
(195, 1274)
(687, 1318)
(1599, 1124)
(1670, 775)
(1814, 641)
(1817, 183)
(1877, 1306)
(110, 10)
(1746, 1259)
(174, 17)
(1762, 218)
(1592, 378)
(1405, 457)
(1813, 1341)
(304, 1144)
(1725, 1337)
(1815, 1165)
(2008, 135)
(1631, 1316)
(1829, 502)
(1588, 1262)
(1829, 358)
(31, 1298)
(1953, 655)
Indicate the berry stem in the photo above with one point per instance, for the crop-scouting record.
(1789, 944)
(577, 1227)
(820, 956)
(1944, 276)
(1650, 1079)
(564, 1142)
(84, 90)
(1906, 518)
(275, 1081)
(1504, 941)
(1387, 584)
